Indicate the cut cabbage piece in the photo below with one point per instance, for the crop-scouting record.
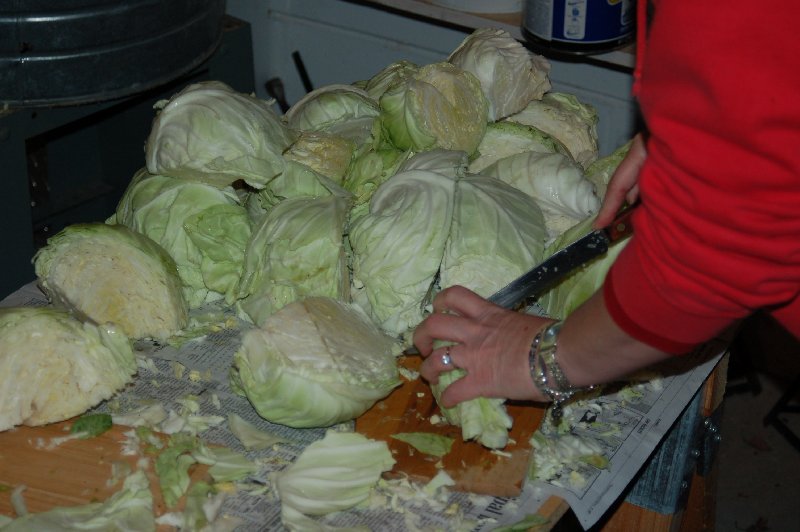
(332, 474)
(112, 274)
(54, 367)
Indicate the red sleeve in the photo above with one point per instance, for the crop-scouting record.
(718, 232)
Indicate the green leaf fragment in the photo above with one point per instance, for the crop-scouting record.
(426, 442)
(91, 425)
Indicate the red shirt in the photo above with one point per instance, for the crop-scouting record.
(717, 235)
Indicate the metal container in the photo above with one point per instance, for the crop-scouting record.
(579, 27)
(65, 52)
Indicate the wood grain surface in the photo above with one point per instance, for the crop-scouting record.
(474, 468)
(72, 473)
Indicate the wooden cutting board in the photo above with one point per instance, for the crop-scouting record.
(474, 468)
(73, 473)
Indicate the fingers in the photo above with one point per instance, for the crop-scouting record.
(440, 360)
(624, 184)
(459, 300)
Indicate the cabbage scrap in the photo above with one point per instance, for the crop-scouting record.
(426, 442)
(332, 474)
(130, 510)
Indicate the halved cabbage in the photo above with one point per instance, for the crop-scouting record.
(54, 367)
(112, 274)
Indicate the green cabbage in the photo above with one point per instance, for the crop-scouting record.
(579, 285)
(211, 133)
(343, 110)
(202, 227)
(555, 181)
(296, 251)
(398, 245)
(314, 363)
(370, 169)
(111, 273)
(298, 180)
(482, 419)
(333, 474)
(510, 75)
(394, 73)
(440, 106)
(128, 510)
(504, 139)
(54, 367)
(323, 152)
(446, 162)
(566, 118)
(474, 257)
(602, 170)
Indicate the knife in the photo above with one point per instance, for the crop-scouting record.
(560, 264)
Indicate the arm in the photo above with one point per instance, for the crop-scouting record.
(492, 345)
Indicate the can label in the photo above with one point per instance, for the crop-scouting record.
(580, 21)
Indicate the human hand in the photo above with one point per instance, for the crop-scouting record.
(624, 184)
(489, 342)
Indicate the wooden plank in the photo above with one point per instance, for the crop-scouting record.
(72, 473)
(474, 468)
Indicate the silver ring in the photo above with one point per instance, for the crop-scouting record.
(446, 360)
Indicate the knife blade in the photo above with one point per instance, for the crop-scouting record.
(546, 274)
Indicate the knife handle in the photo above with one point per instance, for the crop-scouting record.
(621, 226)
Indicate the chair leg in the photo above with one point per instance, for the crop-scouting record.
(784, 406)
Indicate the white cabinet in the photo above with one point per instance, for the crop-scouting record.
(341, 42)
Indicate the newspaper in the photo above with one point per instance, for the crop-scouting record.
(199, 368)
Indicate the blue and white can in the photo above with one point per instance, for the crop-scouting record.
(579, 26)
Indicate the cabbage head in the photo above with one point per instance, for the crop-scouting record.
(566, 118)
(211, 133)
(475, 256)
(54, 367)
(314, 363)
(394, 73)
(296, 251)
(398, 244)
(578, 286)
(370, 169)
(112, 274)
(504, 139)
(602, 170)
(446, 162)
(343, 110)
(555, 181)
(298, 180)
(510, 75)
(440, 106)
(325, 153)
(202, 227)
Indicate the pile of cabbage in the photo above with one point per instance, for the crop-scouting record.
(375, 194)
